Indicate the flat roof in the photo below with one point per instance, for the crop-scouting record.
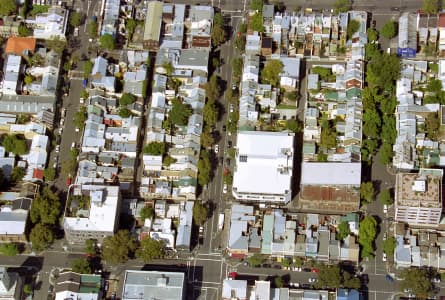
(419, 189)
(264, 162)
(326, 173)
(152, 29)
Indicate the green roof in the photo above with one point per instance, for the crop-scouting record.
(309, 148)
(331, 95)
(266, 245)
(354, 92)
(187, 181)
(351, 217)
(90, 284)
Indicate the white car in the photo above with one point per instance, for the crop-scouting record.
(384, 256)
(73, 145)
(385, 208)
(385, 235)
(57, 148)
(216, 148)
(62, 121)
(77, 129)
(225, 188)
(312, 280)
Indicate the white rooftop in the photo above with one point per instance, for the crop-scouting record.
(264, 162)
(330, 173)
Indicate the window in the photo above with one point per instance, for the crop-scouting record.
(243, 158)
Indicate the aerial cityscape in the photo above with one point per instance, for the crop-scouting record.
(222, 149)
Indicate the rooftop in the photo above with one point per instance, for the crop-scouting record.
(20, 45)
(419, 189)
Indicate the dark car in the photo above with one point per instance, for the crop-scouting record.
(307, 269)
(266, 265)
(389, 279)
(228, 161)
(229, 144)
(224, 128)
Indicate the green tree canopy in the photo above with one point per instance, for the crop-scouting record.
(56, 44)
(271, 72)
(213, 88)
(41, 236)
(278, 282)
(293, 125)
(389, 245)
(366, 236)
(90, 247)
(124, 112)
(87, 68)
(256, 260)
(92, 28)
(17, 174)
(371, 123)
(343, 230)
(256, 5)
(353, 27)
(204, 168)
(256, 22)
(389, 30)
(28, 79)
(430, 6)
(80, 117)
(418, 281)
(199, 213)
(383, 71)
(219, 34)
(130, 26)
(76, 18)
(127, 99)
(367, 192)
(237, 66)
(341, 6)
(7, 7)
(49, 174)
(155, 148)
(150, 249)
(386, 153)
(323, 72)
(118, 248)
(24, 30)
(328, 137)
(373, 35)
(45, 208)
(210, 113)
(15, 143)
(207, 139)
(81, 265)
(147, 212)
(385, 197)
(107, 42)
(9, 249)
(179, 113)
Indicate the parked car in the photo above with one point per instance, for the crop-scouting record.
(385, 235)
(312, 280)
(224, 128)
(232, 275)
(225, 188)
(389, 278)
(73, 145)
(228, 161)
(384, 256)
(57, 148)
(306, 269)
(216, 148)
(266, 266)
(229, 144)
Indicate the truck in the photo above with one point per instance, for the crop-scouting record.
(220, 221)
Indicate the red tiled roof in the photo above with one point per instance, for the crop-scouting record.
(37, 174)
(442, 20)
(17, 45)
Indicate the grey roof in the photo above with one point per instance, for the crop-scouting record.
(268, 11)
(194, 57)
(153, 285)
(123, 147)
(26, 104)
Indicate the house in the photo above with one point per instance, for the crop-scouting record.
(153, 25)
(234, 289)
(71, 285)
(268, 15)
(183, 238)
(290, 76)
(418, 197)
(11, 285)
(20, 45)
(148, 285)
(201, 21)
(262, 290)
(51, 24)
(11, 73)
(348, 294)
(407, 44)
(193, 59)
(253, 44)
(241, 218)
(331, 187)
(264, 167)
(92, 211)
(110, 17)
(13, 217)
(100, 78)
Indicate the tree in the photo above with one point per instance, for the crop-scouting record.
(7, 7)
(150, 249)
(24, 30)
(256, 5)
(386, 153)
(87, 68)
(353, 27)
(90, 247)
(45, 208)
(293, 125)
(17, 174)
(15, 143)
(124, 112)
(430, 6)
(80, 117)
(256, 260)
(118, 248)
(155, 148)
(418, 281)
(383, 71)
(27, 289)
(56, 44)
(341, 6)
(329, 276)
(81, 265)
(213, 89)
(179, 113)
(323, 72)
(207, 139)
(389, 30)
(9, 249)
(218, 32)
(107, 42)
(373, 35)
(271, 72)
(204, 168)
(371, 123)
(432, 125)
(127, 99)
(343, 230)
(41, 236)
(389, 245)
(367, 192)
(256, 22)
(237, 66)
(50, 174)
(240, 42)
(76, 18)
(69, 167)
(168, 160)
(168, 67)
(146, 212)
(366, 236)
(372, 51)
(92, 28)
(278, 282)
(328, 137)
(200, 213)
(210, 113)
(130, 26)
(385, 197)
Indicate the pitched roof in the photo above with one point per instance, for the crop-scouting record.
(17, 45)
